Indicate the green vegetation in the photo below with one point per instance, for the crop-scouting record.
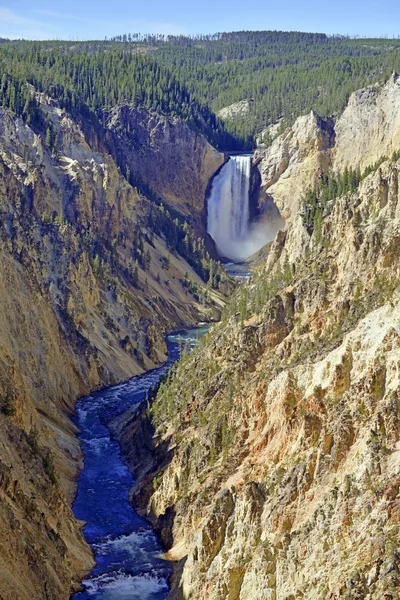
(318, 201)
(253, 298)
(182, 240)
(46, 454)
(282, 74)
(48, 463)
(7, 403)
(33, 440)
(90, 83)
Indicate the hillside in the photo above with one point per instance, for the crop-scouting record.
(93, 274)
(278, 76)
(274, 446)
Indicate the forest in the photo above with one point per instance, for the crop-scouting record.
(281, 74)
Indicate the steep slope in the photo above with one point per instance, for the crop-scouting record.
(275, 467)
(369, 128)
(291, 162)
(367, 131)
(156, 149)
(90, 285)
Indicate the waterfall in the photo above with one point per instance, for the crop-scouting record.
(229, 223)
(228, 207)
(228, 213)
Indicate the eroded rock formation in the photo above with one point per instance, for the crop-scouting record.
(175, 163)
(88, 290)
(275, 470)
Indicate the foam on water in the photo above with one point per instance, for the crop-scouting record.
(120, 586)
(228, 220)
(131, 544)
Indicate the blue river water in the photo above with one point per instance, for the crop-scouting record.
(129, 565)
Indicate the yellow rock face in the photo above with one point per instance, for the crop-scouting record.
(73, 317)
(283, 480)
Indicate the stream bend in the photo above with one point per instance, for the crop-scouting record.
(127, 552)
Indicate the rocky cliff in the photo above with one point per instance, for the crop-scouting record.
(89, 286)
(156, 148)
(369, 128)
(292, 160)
(275, 470)
(367, 132)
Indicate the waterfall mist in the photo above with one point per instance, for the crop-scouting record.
(228, 213)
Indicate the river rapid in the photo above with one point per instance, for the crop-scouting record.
(129, 565)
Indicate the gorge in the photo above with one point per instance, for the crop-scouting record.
(89, 288)
(128, 555)
(263, 462)
(276, 444)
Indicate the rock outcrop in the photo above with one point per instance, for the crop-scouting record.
(369, 128)
(291, 162)
(238, 109)
(275, 468)
(367, 131)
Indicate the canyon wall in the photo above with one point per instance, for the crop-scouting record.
(166, 155)
(89, 286)
(273, 465)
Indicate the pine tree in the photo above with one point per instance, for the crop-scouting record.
(49, 138)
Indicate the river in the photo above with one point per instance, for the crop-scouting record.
(127, 551)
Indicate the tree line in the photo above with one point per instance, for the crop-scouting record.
(282, 74)
(90, 84)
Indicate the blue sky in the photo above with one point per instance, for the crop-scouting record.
(89, 19)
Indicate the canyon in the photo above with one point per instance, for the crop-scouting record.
(268, 458)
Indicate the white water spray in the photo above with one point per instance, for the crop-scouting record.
(228, 213)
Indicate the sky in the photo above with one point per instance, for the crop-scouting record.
(93, 19)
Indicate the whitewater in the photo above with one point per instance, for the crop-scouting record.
(228, 217)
